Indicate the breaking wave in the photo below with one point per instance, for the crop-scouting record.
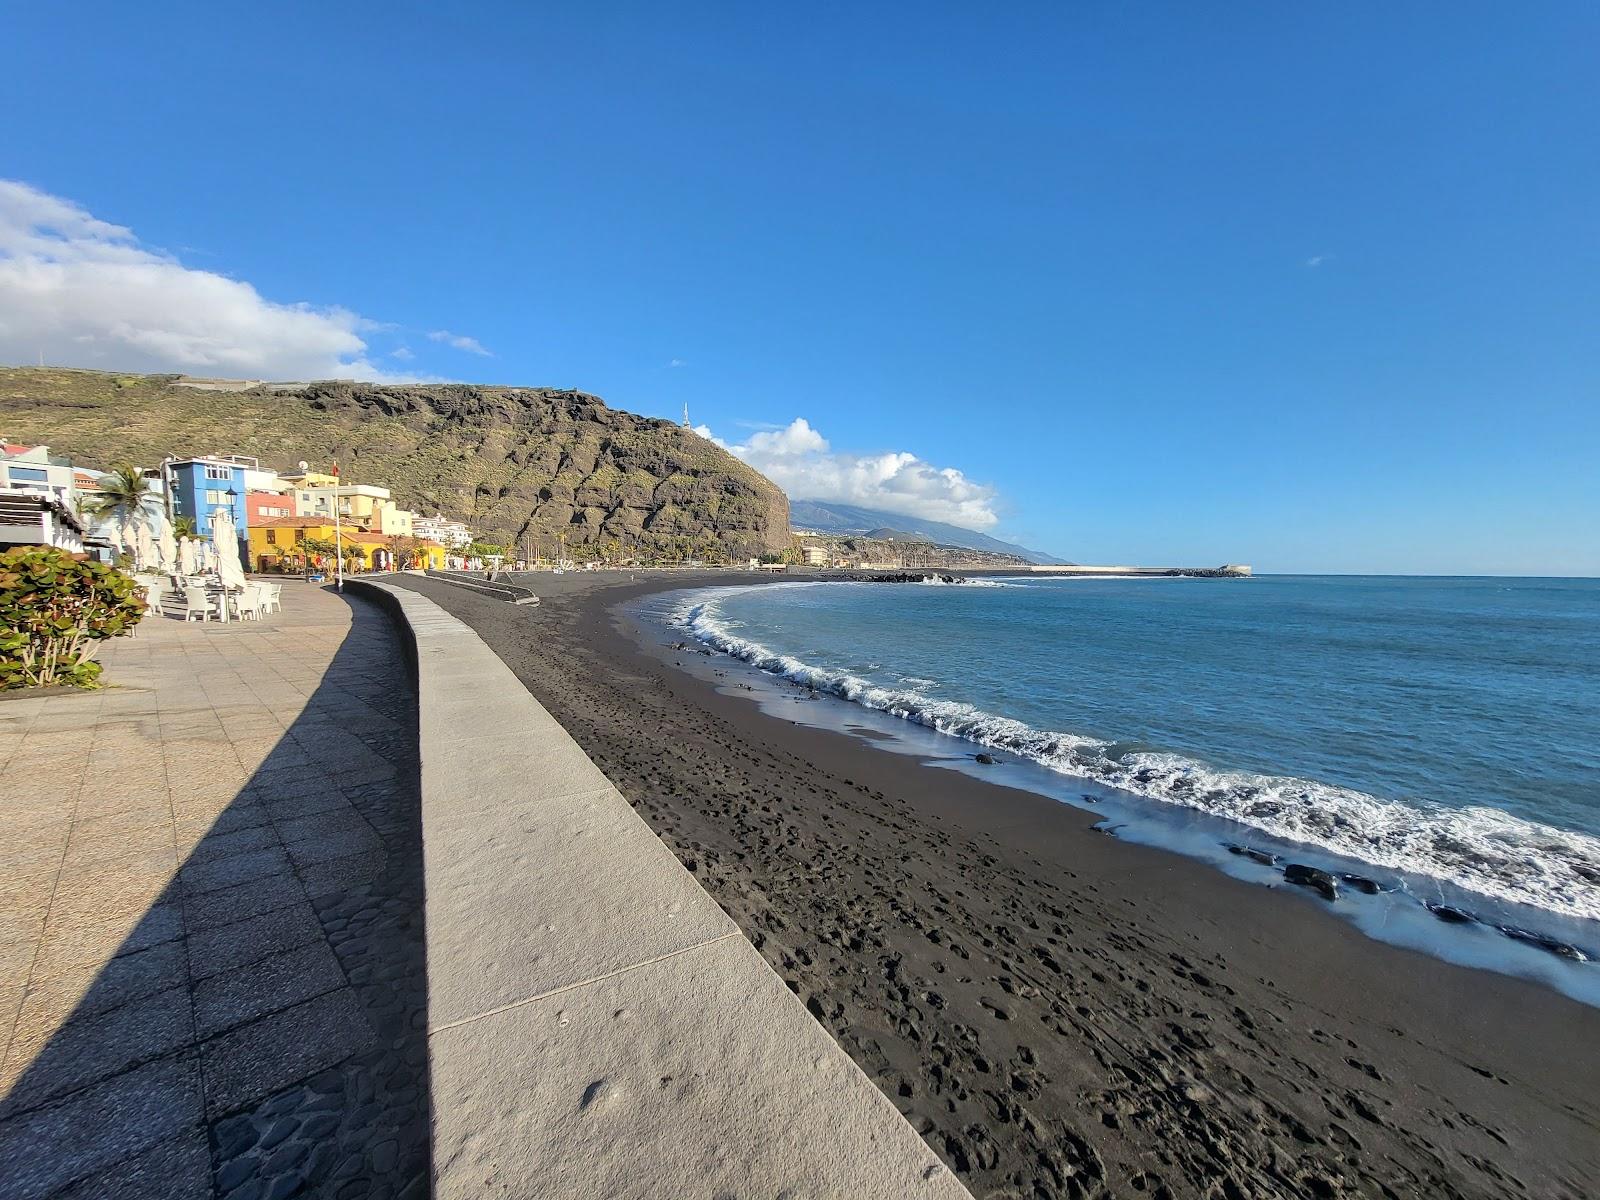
(967, 581)
(1478, 848)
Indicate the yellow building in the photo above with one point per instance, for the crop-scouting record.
(367, 504)
(279, 545)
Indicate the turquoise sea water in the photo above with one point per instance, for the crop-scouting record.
(1445, 728)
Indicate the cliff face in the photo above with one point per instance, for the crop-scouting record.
(521, 465)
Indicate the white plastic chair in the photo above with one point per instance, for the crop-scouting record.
(271, 597)
(247, 604)
(197, 604)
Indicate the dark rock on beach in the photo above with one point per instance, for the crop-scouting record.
(1314, 878)
(1261, 856)
(1555, 946)
(1362, 884)
(986, 760)
(1450, 913)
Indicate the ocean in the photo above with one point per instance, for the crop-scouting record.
(1441, 734)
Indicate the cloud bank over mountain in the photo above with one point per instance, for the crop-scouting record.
(82, 292)
(800, 460)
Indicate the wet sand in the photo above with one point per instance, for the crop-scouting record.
(1060, 1013)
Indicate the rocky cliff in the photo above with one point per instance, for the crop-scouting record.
(521, 465)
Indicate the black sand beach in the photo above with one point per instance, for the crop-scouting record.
(1060, 1013)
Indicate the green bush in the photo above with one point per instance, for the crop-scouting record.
(54, 612)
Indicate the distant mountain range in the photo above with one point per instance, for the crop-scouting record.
(828, 517)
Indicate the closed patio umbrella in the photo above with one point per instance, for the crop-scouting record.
(187, 556)
(144, 552)
(226, 543)
(169, 549)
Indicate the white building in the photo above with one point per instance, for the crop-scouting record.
(437, 528)
(29, 517)
(35, 469)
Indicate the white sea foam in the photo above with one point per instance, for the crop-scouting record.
(1478, 848)
(966, 581)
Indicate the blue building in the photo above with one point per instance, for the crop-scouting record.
(201, 486)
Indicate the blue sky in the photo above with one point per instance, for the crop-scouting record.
(1161, 283)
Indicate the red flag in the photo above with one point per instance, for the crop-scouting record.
(336, 470)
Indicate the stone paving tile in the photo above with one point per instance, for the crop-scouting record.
(24, 901)
(242, 994)
(234, 869)
(160, 923)
(257, 1059)
(230, 947)
(87, 991)
(328, 799)
(30, 857)
(84, 1133)
(84, 937)
(223, 844)
(241, 814)
(314, 851)
(227, 905)
(155, 912)
(177, 1169)
(147, 853)
(323, 825)
(50, 1059)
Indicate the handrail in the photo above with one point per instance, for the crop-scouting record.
(512, 592)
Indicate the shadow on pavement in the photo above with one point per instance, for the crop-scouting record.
(261, 1032)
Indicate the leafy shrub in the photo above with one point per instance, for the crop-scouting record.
(54, 612)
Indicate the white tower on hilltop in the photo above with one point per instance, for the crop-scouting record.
(686, 414)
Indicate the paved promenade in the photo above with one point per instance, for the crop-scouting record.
(218, 977)
(211, 970)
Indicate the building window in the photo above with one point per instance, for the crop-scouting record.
(219, 472)
(272, 537)
(218, 497)
(299, 536)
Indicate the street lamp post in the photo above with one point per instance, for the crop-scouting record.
(338, 544)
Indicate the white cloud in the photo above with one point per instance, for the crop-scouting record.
(677, 362)
(403, 353)
(83, 292)
(1316, 260)
(799, 460)
(460, 341)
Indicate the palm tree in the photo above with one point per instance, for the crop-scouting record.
(125, 495)
(183, 527)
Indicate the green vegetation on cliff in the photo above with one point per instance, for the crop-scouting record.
(523, 466)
